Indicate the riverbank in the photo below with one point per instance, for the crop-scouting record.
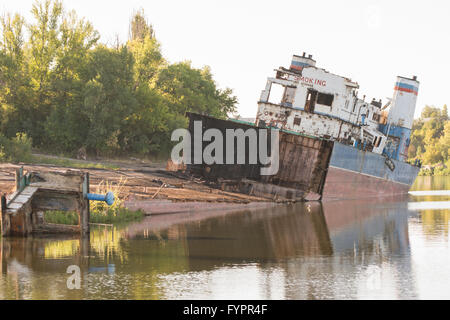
(145, 186)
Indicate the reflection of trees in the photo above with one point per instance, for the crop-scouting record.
(34, 268)
(435, 222)
(23, 258)
(61, 249)
(105, 243)
(431, 183)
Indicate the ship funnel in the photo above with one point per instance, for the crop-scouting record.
(401, 116)
(404, 102)
(300, 62)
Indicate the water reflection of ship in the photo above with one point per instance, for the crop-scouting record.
(360, 225)
(327, 250)
(310, 229)
(305, 229)
(361, 231)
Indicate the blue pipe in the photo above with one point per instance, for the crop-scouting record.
(108, 198)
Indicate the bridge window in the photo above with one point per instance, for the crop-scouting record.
(325, 99)
(376, 117)
(311, 98)
(377, 141)
(276, 93)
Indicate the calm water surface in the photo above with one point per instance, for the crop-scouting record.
(391, 249)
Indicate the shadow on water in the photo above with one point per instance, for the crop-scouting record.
(302, 251)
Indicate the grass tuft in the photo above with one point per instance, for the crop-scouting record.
(116, 215)
(100, 212)
(61, 217)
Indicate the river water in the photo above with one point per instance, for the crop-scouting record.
(356, 249)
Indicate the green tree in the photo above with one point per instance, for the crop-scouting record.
(444, 112)
(65, 90)
(108, 96)
(194, 90)
(430, 135)
(145, 49)
(139, 27)
(15, 90)
(444, 142)
(65, 125)
(42, 58)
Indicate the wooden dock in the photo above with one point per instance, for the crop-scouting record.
(23, 213)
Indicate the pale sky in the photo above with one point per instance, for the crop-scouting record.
(370, 42)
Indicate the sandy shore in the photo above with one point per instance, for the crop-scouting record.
(149, 187)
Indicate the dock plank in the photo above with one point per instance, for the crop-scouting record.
(29, 190)
(22, 198)
(15, 205)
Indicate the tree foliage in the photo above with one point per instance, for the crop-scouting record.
(189, 89)
(430, 138)
(65, 90)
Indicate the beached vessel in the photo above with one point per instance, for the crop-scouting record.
(332, 144)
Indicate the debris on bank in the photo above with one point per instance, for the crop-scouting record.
(27, 196)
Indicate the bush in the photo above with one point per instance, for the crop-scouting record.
(102, 213)
(114, 215)
(110, 215)
(17, 149)
(61, 217)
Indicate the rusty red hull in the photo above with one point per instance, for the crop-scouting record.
(345, 184)
(356, 174)
(310, 168)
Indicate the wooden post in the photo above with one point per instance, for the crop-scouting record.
(3, 213)
(17, 179)
(88, 212)
(2, 249)
(3, 267)
(21, 180)
(84, 211)
(1, 257)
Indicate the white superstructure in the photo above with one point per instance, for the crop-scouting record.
(319, 103)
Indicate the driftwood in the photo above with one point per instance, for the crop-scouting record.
(156, 193)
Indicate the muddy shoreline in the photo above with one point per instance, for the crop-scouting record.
(149, 187)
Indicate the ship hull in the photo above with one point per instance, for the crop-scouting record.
(310, 168)
(355, 174)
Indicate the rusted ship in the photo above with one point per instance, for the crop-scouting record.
(332, 144)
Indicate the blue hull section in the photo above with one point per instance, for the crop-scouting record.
(372, 164)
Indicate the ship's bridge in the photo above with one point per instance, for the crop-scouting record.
(313, 101)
